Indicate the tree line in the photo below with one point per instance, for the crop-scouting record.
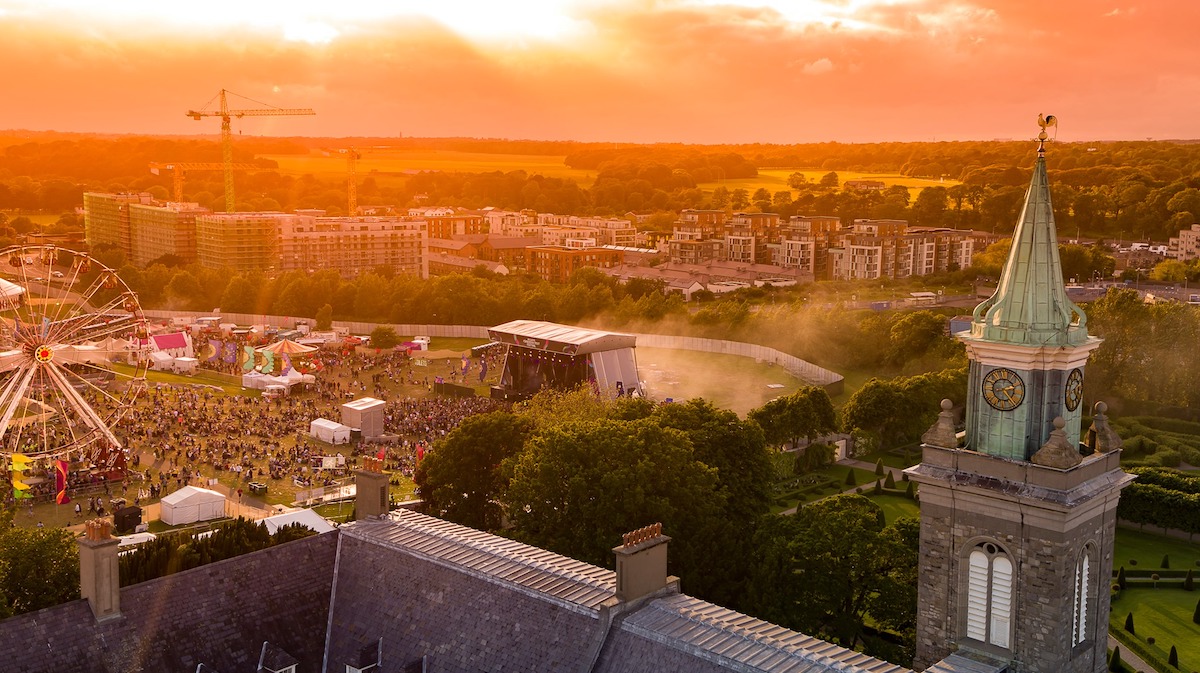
(571, 473)
(1126, 190)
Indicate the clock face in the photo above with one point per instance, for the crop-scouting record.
(1074, 391)
(1003, 389)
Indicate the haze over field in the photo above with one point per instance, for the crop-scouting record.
(704, 71)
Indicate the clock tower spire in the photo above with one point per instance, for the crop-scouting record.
(1017, 518)
(1028, 342)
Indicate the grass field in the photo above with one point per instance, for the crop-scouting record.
(393, 162)
(896, 506)
(1148, 549)
(775, 179)
(1164, 614)
(728, 381)
(396, 161)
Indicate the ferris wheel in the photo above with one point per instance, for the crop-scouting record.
(71, 335)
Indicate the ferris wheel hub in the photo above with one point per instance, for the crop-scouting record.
(43, 354)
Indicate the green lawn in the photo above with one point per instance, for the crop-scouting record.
(1165, 615)
(1148, 549)
(896, 506)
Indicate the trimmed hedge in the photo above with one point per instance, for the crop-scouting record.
(1165, 498)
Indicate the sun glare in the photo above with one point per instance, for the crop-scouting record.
(322, 22)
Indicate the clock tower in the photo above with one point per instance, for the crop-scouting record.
(1017, 515)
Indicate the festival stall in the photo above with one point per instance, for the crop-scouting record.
(186, 365)
(332, 432)
(191, 504)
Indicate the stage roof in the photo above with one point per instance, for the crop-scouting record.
(557, 338)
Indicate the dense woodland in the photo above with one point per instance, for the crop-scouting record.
(1128, 190)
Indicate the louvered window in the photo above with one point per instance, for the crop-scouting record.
(989, 596)
(1082, 593)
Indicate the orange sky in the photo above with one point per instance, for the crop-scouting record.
(622, 70)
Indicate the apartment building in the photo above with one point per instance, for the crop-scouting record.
(607, 230)
(354, 245)
(556, 263)
(448, 222)
(871, 249)
(106, 218)
(160, 229)
(1185, 246)
(240, 241)
(805, 242)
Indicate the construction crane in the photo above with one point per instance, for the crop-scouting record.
(180, 168)
(226, 115)
(352, 157)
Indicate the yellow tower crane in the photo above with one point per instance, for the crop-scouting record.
(226, 115)
(180, 168)
(352, 157)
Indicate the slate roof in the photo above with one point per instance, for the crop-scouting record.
(417, 589)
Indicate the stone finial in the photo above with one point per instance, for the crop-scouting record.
(942, 434)
(641, 535)
(1057, 452)
(1101, 438)
(97, 529)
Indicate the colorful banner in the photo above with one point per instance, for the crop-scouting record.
(268, 361)
(216, 347)
(20, 462)
(60, 482)
(231, 353)
(247, 358)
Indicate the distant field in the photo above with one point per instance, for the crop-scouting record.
(396, 161)
(775, 179)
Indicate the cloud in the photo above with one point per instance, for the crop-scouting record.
(820, 66)
(635, 70)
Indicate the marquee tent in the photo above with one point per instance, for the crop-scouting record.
(191, 504)
(288, 347)
(305, 517)
(162, 361)
(329, 431)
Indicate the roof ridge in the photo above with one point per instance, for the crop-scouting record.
(508, 549)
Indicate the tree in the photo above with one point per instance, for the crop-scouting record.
(324, 318)
(1129, 623)
(797, 180)
(1166, 561)
(830, 180)
(851, 480)
(807, 413)
(460, 479)
(1173, 657)
(1196, 614)
(39, 567)
(879, 470)
(889, 481)
(577, 487)
(1121, 578)
(1114, 662)
(384, 337)
(827, 568)
(1189, 582)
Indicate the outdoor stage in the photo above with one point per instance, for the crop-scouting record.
(548, 355)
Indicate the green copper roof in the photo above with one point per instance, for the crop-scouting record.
(1030, 306)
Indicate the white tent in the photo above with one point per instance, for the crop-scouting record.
(254, 381)
(161, 361)
(305, 517)
(186, 365)
(191, 504)
(329, 431)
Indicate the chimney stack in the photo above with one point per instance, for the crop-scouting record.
(371, 490)
(99, 578)
(642, 564)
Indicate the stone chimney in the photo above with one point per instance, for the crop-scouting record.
(642, 564)
(99, 578)
(371, 495)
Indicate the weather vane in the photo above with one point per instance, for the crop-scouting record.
(1045, 121)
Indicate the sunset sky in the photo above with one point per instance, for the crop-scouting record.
(703, 71)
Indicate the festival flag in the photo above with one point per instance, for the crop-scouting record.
(18, 484)
(20, 462)
(60, 482)
(382, 454)
(268, 364)
(285, 364)
(20, 495)
(217, 347)
(420, 452)
(231, 352)
(247, 358)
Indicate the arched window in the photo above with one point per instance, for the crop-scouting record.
(1083, 592)
(989, 595)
